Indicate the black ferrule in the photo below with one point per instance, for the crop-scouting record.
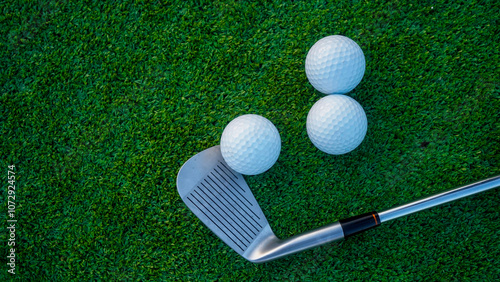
(356, 224)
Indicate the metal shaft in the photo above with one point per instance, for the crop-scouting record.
(440, 198)
(270, 247)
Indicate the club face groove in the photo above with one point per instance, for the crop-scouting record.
(221, 199)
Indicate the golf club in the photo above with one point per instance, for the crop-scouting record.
(222, 200)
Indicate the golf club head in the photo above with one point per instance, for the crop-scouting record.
(222, 200)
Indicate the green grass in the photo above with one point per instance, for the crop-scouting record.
(101, 104)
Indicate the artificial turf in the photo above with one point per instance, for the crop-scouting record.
(103, 101)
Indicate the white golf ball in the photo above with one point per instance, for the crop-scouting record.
(335, 65)
(250, 144)
(336, 124)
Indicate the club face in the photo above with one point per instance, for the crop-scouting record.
(222, 200)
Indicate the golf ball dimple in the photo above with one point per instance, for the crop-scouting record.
(335, 65)
(250, 144)
(336, 124)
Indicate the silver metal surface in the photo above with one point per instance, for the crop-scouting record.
(269, 247)
(222, 200)
(440, 198)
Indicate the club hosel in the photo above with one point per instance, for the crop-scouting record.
(273, 248)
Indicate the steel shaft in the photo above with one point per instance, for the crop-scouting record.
(440, 198)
